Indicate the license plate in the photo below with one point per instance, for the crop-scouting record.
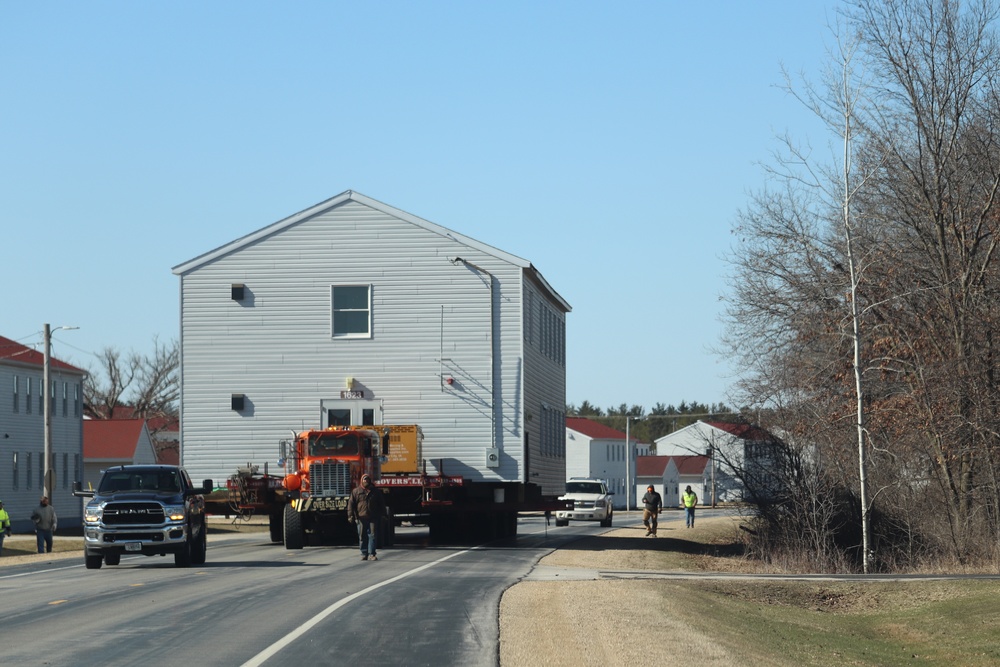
(133, 546)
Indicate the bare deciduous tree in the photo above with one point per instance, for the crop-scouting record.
(146, 384)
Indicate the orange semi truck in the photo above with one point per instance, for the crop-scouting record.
(307, 502)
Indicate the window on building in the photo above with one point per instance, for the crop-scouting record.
(29, 470)
(27, 393)
(17, 402)
(65, 399)
(41, 471)
(65, 469)
(351, 305)
(76, 468)
(52, 397)
(76, 401)
(15, 470)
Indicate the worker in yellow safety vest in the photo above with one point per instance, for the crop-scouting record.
(4, 525)
(690, 499)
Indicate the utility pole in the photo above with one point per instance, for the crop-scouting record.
(48, 479)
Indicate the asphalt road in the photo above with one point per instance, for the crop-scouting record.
(255, 603)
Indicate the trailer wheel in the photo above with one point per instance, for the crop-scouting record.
(199, 550)
(387, 536)
(294, 535)
(274, 524)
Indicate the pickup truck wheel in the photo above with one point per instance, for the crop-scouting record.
(562, 522)
(200, 549)
(294, 535)
(112, 558)
(93, 562)
(607, 522)
(182, 558)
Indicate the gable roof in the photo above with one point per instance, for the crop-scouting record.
(351, 196)
(743, 430)
(13, 352)
(111, 439)
(594, 430)
(690, 465)
(651, 466)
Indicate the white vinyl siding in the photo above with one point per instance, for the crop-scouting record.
(439, 308)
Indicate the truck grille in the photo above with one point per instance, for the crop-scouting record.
(120, 514)
(330, 479)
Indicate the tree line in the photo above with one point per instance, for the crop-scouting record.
(647, 426)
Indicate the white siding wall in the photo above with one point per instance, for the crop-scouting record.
(430, 317)
(544, 372)
(23, 433)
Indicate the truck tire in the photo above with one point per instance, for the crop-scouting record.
(93, 562)
(274, 524)
(607, 522)
(562, 522)
(182, 558)
(199, 552)
(112, 558)
(294, 535)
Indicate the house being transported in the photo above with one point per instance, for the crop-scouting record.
(354, 312)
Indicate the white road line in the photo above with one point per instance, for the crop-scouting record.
(273, 649)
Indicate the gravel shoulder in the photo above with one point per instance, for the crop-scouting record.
(582, 620)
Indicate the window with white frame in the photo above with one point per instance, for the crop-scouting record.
(17, 399)
(351, 310)
(27, 393)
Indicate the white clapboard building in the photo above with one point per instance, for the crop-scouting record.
(354, 312)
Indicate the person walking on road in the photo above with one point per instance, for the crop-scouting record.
(690, 499)
(4, 525)
(44, 518)
(652, 504)
(366, 506)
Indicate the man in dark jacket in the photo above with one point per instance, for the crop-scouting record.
(651, 506)
(366, 507)
(44, 518)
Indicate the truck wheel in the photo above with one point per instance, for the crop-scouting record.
(294, 535)
(200, 549)
(182, 558)
(274, 525)
(93, 562)
(607, 522)
(562, 522)
(112, 558)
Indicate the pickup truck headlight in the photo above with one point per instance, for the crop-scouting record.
(174, 512)
(600, 503)
(92, 514)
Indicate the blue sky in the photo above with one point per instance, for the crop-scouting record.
(611, 144)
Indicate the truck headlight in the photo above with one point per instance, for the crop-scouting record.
(92, 514)
(174, 512)
(600, 503)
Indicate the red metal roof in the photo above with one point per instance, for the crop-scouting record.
(650, 466)
(690, 465)
(114, 439)
(13, 351)
(594, 429)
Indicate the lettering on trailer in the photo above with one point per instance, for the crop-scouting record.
(324, 504)
(400, 480)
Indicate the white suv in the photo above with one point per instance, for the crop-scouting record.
(591, 502)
